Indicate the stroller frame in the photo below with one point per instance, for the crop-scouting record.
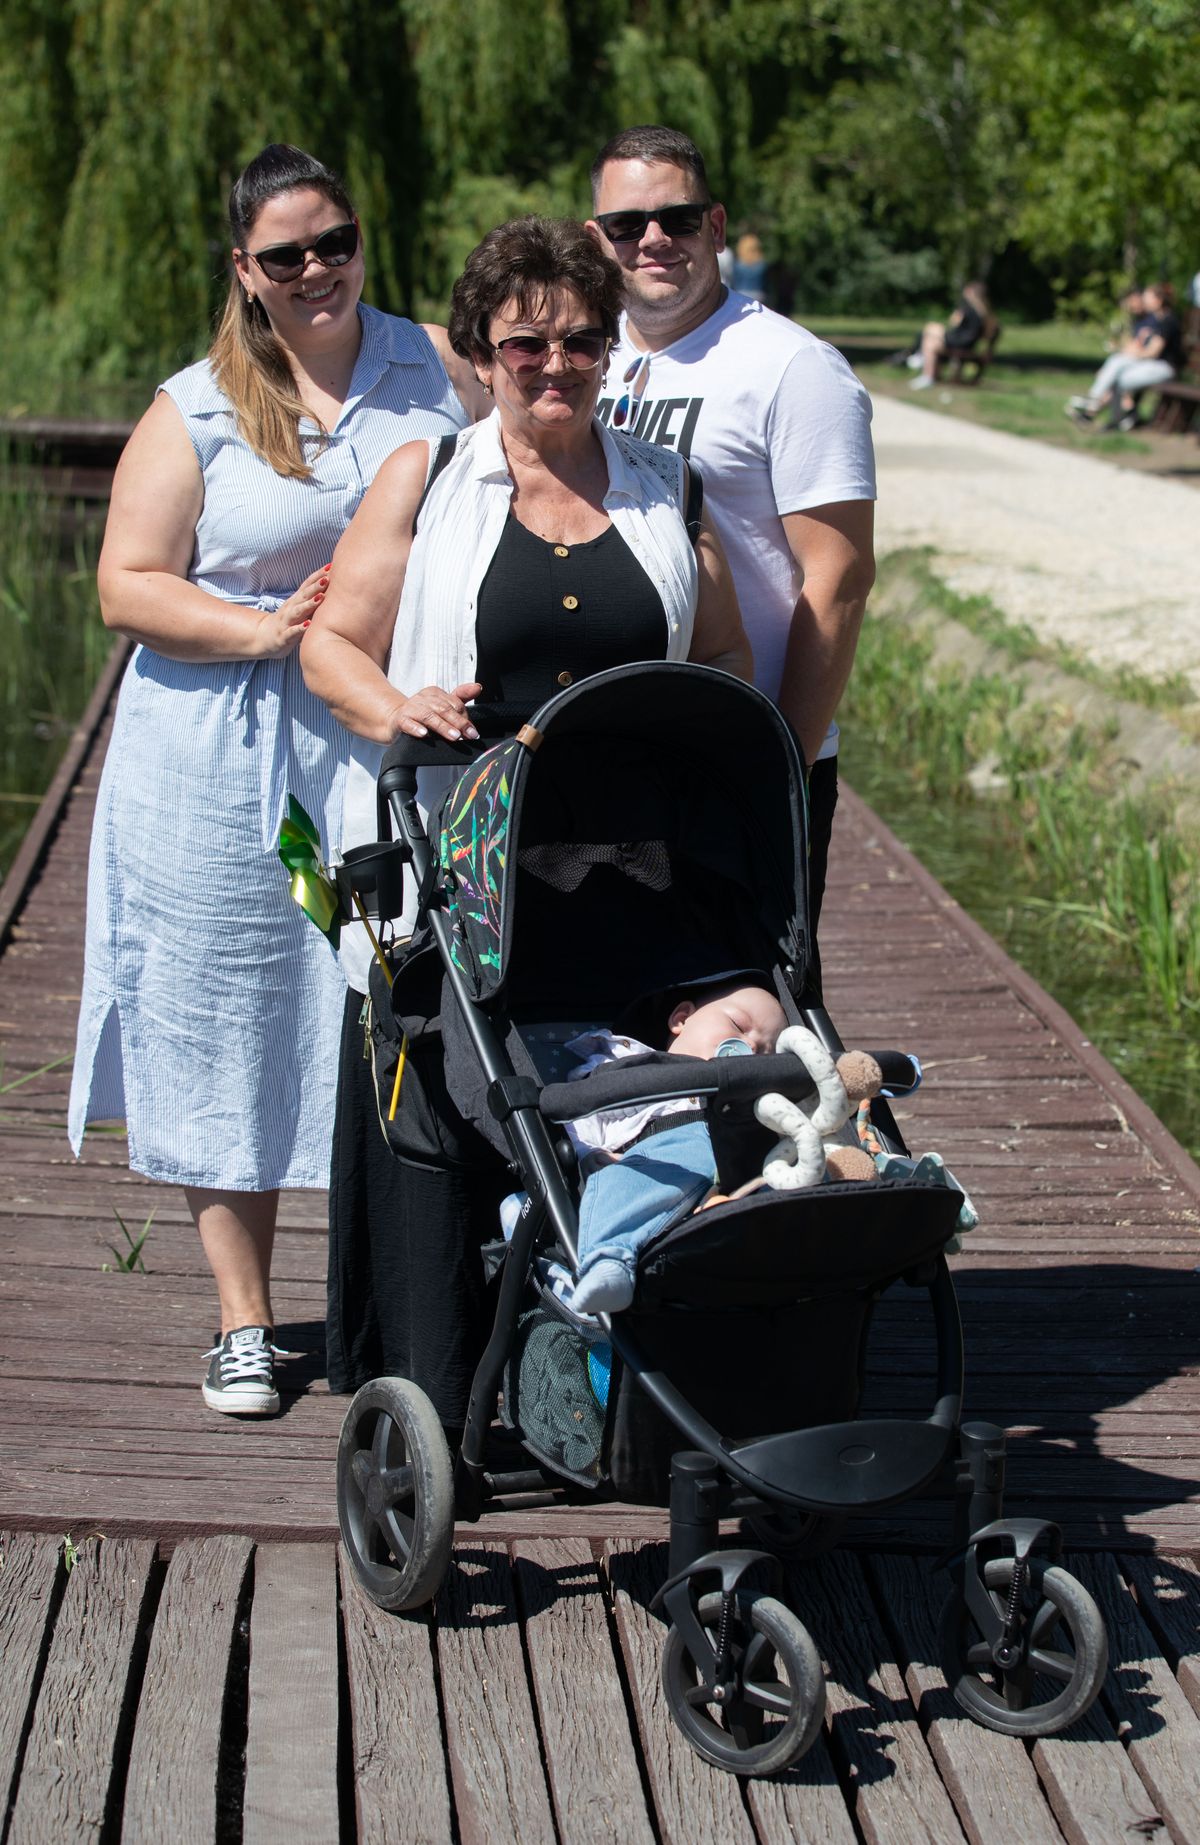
(1008, 1590)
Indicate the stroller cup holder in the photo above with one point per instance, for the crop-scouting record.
(375, 875)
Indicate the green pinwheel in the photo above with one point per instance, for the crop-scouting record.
(312, 887)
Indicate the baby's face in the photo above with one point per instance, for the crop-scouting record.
(750, 1013)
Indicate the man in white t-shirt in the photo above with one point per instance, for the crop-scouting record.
(776, 422)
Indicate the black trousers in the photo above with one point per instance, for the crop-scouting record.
(406, 1291)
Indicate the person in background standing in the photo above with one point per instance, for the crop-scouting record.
(750, 268)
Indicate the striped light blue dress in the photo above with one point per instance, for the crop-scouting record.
(212, 1008)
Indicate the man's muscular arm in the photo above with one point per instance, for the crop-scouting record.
(834, 547)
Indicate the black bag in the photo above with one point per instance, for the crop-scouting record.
(425, 1124)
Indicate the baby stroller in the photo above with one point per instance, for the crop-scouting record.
(648, 827)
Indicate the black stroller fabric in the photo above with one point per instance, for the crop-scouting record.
(702, 787)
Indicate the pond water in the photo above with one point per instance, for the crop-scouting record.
(959, 843)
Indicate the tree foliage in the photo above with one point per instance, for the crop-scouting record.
(881, 152)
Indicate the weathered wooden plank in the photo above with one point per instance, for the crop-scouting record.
(292, 1716)
(897, 1797)
(500, 1791)
(29, 1579)
(591, 1759)
(692, 1800)
(989, 1777)
(806, 1804)
(1091, 1785)
(74, 1762)
(401, 1790)
(1153, 1718)
(1168, 1594)
(171, 1790)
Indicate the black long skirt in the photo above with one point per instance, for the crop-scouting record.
(406, 1286)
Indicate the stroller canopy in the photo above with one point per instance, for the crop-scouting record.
(646, 827)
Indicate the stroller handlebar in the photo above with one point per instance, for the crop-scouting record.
(429, 752)
(673, 1078)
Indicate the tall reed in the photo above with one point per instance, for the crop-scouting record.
(1096, 893)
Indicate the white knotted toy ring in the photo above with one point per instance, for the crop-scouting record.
(799, 1159)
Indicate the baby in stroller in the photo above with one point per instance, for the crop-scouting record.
(643, 1167)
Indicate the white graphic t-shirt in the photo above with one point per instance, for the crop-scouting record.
(776, 423)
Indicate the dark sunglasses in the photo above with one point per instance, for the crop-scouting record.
(284, 262)
(672, 221)
(529, 352)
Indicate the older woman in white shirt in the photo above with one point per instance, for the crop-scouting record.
(547, 549)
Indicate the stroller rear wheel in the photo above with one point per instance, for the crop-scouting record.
(765, 1707)
(395, 1494)
(1059, 1651)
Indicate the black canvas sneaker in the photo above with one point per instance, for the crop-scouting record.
(241, 1374)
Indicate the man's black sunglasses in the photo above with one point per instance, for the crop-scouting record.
(284, 262)
(672, 221)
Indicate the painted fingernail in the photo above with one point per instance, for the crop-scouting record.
(455, 736)
(319, 597)
(324, 583)
(472, 733)
(306, 624)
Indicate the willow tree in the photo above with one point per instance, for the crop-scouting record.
(1114, 140)
(148, 109)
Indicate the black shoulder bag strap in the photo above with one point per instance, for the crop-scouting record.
(442, 458)
(694, 510)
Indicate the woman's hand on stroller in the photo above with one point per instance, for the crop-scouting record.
(445, 713)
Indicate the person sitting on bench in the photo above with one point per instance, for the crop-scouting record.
(971, 325)
(1151, 355)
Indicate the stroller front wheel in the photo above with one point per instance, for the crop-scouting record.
(395, 1494)
(1060, 1652)
(766, 1708)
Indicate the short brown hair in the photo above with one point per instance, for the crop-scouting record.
(651, 142)
(524, 261)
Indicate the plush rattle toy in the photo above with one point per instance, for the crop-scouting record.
(807, 1151)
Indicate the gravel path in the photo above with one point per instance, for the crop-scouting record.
(1104, 559)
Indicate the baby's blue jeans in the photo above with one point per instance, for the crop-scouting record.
(627, 1202)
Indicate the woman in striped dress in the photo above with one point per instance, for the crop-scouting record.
(211, 1005)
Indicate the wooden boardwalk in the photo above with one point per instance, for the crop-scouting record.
(236, 1692)
(202, 1673)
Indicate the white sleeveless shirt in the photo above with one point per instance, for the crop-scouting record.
(434, 641)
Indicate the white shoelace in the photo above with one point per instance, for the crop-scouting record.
(245, 1361)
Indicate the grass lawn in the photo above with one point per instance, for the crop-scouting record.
(1035, 370)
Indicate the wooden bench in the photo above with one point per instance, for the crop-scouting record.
(1178, 401)
(979, 356)
(1176, 409)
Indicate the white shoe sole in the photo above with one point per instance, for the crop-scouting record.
(252, 1402)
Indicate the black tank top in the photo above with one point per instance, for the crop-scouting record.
(550, 614)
